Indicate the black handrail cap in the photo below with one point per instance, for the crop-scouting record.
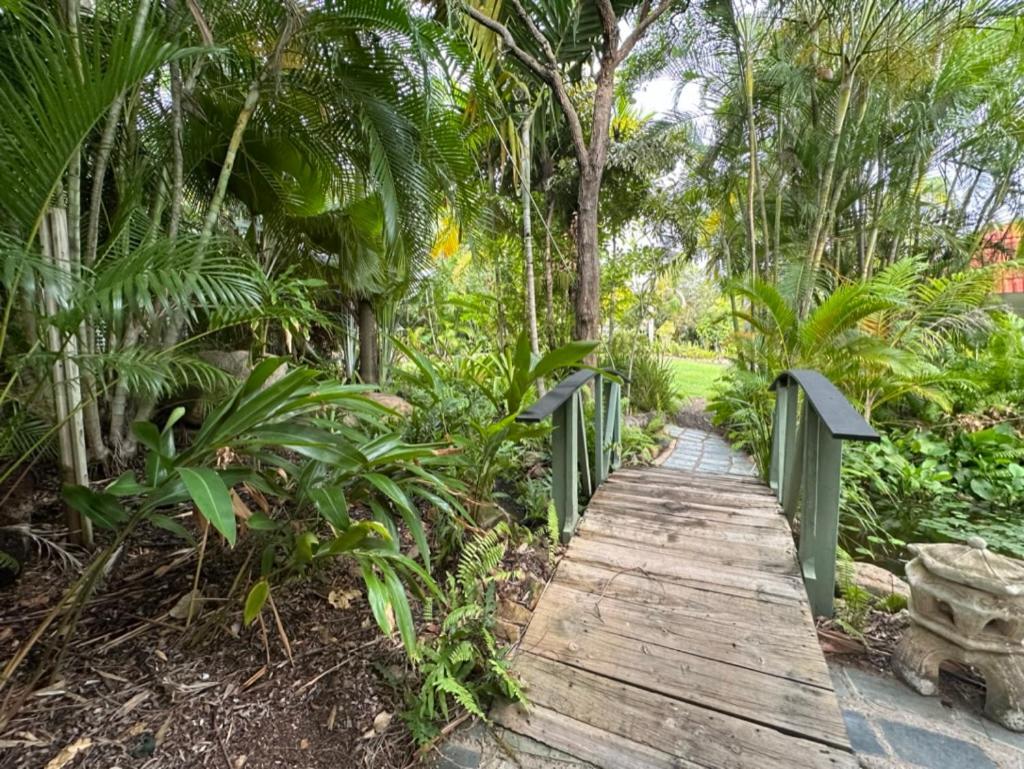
(556, 396)
(839, 416)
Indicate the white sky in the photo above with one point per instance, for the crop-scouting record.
(657, 97)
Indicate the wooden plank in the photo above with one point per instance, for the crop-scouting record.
(634, 498)
(680, 603)
(704, 573)
(689, 630)
(596, 746)
(672, 527)
(705, 550)
(693, 735)
(779, 703)
(663, 510)
(641, 586)
(707, 494)
(660, 476)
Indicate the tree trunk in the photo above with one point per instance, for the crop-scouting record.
(524, 181)
(369, 362)
(820, 232)
(67, 387)
(588, 265)
(549, 280)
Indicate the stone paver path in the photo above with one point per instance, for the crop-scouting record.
(704, 452)
(892, 727)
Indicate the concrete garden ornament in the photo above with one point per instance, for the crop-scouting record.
(967, 606)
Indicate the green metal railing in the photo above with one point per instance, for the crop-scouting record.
(575, 470)
(806, 460)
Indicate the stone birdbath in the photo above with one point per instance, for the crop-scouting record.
(966, 606)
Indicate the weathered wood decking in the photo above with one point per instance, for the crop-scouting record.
(677, 633)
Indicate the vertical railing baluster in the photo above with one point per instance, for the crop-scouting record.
(793, 464)
(564, 467)
(819, 517)
(600, 465)
(615, 431)
(583, 454)
(783, 435)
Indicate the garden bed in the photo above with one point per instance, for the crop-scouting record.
(139, 688)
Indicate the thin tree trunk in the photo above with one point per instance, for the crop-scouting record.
(819, 234)
(369, 362)
(159, 335)
(527, 201)
(67, 390)
(549, 284)
(106, 148)
(588, 268)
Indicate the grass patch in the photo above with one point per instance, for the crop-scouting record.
(695, 378)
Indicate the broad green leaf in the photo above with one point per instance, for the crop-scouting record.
(331, 503)
(211, 498)
(377, 596)
(567, 355)
(259, 521)
(254, 602)
(304, 546)
(406, 509)
(167, 523)
(400, 604)
(102, 509)
(126, 485)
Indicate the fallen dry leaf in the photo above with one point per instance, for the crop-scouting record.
(342, 599)
(382, 721)
(180, 610)
(242, 511)
(68, 753)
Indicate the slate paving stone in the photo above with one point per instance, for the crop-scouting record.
(455, 756)
(926, 748)
(862, 737)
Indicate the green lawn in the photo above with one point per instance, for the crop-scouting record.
(694, 378)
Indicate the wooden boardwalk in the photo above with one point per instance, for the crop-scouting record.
(677, 633)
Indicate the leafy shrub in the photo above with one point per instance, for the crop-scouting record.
(463, 665)
(491, 440)
(253, 443)
(921, 485)
(652, 383)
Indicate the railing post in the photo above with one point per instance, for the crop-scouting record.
(613, 427)
(793, 465)
(783, 435)
(600, 466)
(819, 518)
(564, 464)
(583, 454)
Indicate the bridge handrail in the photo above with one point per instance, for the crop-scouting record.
(574, 469)
(806, 461)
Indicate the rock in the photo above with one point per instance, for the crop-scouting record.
(878, 581)
(640, 420)
(506, 631)
(234, 362)
(393, 402)
(534, 587)
(513, 612)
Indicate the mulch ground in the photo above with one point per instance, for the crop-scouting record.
(139, 689)
(140, 686)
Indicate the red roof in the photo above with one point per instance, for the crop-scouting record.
(999, 246)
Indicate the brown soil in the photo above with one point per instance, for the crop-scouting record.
(137, 688)
(141, 690)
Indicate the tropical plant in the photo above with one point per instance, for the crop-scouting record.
(463, 664)
(285, 442)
